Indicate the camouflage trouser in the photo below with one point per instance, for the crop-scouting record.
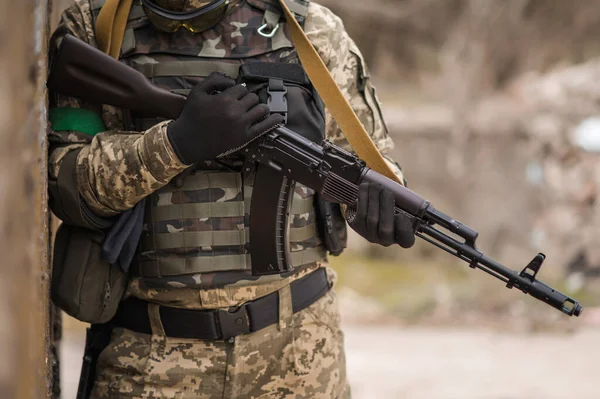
(301, 357)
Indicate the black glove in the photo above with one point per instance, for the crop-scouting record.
(374, 218)
(217, 118)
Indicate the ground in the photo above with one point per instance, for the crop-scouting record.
(431, 363)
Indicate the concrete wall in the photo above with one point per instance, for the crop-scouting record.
(23, 212)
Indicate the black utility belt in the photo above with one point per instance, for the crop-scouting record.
(222, 324)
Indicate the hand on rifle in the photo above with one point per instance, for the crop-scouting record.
(374, 218)
(218, 117)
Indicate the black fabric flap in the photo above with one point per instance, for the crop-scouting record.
(263, 71)
(272, 5)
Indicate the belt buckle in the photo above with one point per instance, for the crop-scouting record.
(233, 323)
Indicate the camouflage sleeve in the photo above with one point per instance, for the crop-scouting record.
(345, 62)
(115, 168)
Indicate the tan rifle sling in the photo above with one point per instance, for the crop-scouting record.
(111, 24)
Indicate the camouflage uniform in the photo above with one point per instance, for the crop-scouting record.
(300, 357)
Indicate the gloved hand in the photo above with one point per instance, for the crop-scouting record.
(374, 218)
(218, 117)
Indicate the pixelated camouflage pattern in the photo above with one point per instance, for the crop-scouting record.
(125, 167)
(143, 366)
(302, 357)
(57, 156)
(213, 290)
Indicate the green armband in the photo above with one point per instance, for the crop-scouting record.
(76, 119)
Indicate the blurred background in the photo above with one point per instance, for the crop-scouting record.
(494, 107)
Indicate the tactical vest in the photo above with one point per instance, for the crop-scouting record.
(199, 223)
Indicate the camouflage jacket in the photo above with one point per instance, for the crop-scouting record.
(116, 169)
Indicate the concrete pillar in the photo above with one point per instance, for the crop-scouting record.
(23, 213)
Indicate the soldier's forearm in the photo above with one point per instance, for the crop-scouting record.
(116, 171)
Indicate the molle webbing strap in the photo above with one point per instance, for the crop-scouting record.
(298, 7)
(271, 18)
(333, 98)
(111, 24)
(219, 238)
(172, 266)
(194, 239)
(216, 210)
(187, 68)
(206, 179)
(190, 211)
(264, 71)
(128, 41)
(97, 4)
(137, 12)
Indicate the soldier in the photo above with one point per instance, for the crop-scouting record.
(171, 336)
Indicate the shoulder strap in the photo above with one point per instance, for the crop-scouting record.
(111, 24)
(334, 100)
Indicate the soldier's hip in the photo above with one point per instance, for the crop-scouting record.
(298, 355)
(222, 324)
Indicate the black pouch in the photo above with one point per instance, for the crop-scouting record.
(288, 90)
(84, 284)
(332, 226)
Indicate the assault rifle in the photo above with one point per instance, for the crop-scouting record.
(281, 158)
